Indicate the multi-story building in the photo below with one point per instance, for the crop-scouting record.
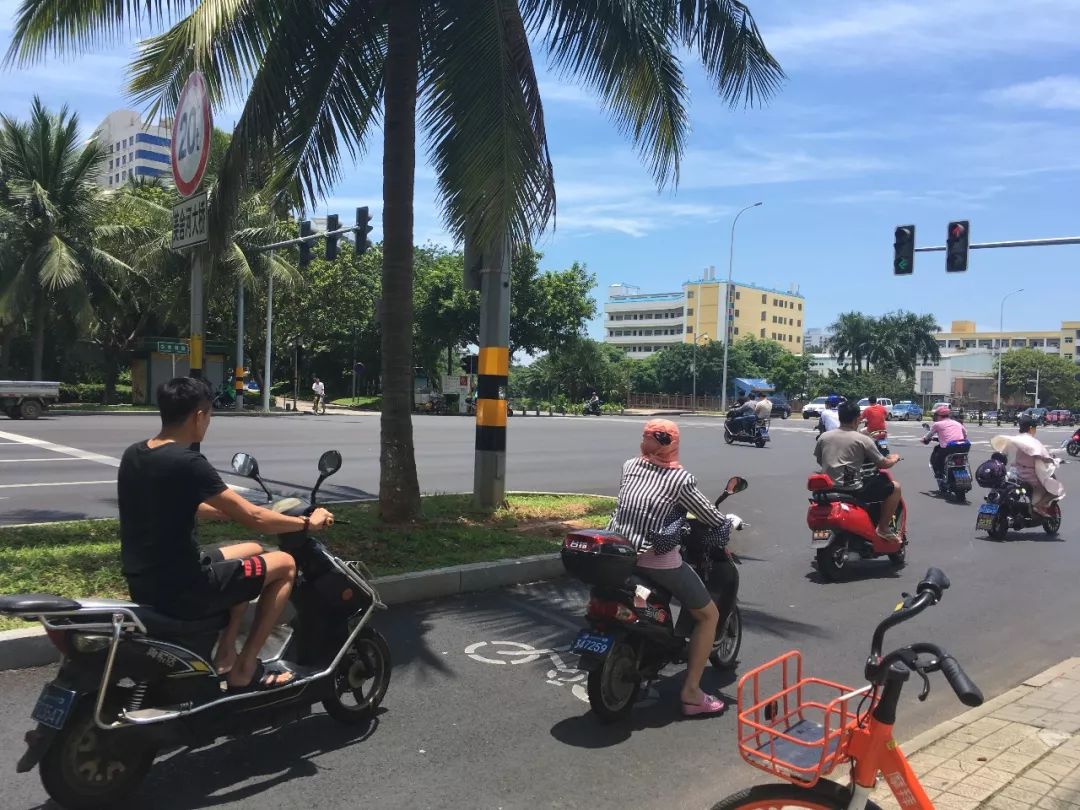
(642, 324)
(963, 336)
(134, 149)
(817, 339)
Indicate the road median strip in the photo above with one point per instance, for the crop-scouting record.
(454, 549)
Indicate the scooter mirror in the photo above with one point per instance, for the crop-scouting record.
(736, 484)
(245, 465)
(329, 462)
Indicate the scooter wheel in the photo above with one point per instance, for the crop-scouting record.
(1052, 525)
(728, 437)
(613, 686)
(999, 527)
(832, 561)
(86, 768)
(1073, 448)
(760, 442)
(899, 559)
(725, 654)
(361, 679)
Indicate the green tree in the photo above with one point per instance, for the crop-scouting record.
(1057, 377)
(547, 309)
(48, 257)
(790, 374)
(901, 339)
(853, 339)
(318, 76)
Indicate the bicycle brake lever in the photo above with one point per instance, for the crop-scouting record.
(926, 686)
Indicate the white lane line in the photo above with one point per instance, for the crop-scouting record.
(35, 460)
(58, 484)
(73, 452)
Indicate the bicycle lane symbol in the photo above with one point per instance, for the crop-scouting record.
(514, 653)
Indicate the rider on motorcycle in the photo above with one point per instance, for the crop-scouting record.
(743, 417)
(163, 487)
(843, 453)
(654, 486)
(830, 416)
(875, 417)
(947, 430)
(1031, 458)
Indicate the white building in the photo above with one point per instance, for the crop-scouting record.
(822, 363)
(958, 375)
(134, 149)
(816, 339)
(641, 324)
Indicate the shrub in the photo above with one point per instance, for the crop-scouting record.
(92, 393)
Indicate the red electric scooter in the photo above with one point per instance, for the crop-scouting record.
(843, 529)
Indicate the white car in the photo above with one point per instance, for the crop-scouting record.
(813, 409)
(864, 403)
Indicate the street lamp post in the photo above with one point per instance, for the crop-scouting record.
(693, 370)
(1001, 331)
(727, 294)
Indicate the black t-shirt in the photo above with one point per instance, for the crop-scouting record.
(160, 490)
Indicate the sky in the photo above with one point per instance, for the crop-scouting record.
(894, 112)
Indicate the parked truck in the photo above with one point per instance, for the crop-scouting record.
(22, 399)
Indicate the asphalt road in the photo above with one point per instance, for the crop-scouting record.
(460, 731)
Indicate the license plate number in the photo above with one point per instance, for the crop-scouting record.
(988, 509)
(53, 706)
(591, 644)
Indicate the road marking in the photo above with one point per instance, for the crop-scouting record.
(63, 449)
(34, 460)
(59, 484)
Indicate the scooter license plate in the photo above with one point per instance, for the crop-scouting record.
(986, 515)
(53, 706)
(593, 644)
(820, 539)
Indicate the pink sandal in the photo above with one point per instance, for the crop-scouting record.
(708, 705)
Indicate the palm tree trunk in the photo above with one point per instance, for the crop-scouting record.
(39, 337)
(399, 490)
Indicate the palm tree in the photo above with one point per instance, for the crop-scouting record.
(48, 257)
(853, 338)
(317, 77)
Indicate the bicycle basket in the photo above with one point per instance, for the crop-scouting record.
(792, 726)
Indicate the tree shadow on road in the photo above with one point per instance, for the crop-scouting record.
(17, 516)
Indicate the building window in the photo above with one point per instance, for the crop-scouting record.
(762, 316)
(774, 319)
(763, 331)
(110, 166)
(800, 322)
(736, 313)
(1068, 340)
(736, 330)
(689, 330)
(798, 338)
(690, 311)
(690, 294)
(738, 295)
(764, 300)
(800, 307)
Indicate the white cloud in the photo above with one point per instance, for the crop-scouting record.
(555, 91)
(1050, 93)
(919, 34)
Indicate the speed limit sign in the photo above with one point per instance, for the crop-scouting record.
(191, 135)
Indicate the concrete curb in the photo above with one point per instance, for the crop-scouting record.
(931, 736)
(62, 412)
(20, 649)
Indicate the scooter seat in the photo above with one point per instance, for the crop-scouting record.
(33, 603)
(835, 496)
(159, 624)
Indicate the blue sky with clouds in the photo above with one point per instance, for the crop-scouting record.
(894, 113)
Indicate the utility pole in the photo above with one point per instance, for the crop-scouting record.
(238, 374)
(727, 292)
(493, 268)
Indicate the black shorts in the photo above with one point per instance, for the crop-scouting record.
(222, 584)
(875, 489)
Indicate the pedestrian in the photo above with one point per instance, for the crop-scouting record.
(319, 390)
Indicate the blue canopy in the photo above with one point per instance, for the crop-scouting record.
(748, 385)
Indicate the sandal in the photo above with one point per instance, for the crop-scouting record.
(709, 705)
(264, 679)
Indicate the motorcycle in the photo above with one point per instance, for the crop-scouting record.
(954, 480)
(631, 636)
(841, 527)
(759, 434)
(1072, 444)
(1008, 505)
(592, 408)
(224, 400)
(880, 437)
(133, 682)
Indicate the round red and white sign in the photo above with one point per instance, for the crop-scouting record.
(191, 135)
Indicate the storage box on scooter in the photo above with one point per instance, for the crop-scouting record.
(599, 557)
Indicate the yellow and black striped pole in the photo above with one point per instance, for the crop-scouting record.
(489, 472)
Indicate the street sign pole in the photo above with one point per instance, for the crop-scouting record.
(238, 375)
(489, 470)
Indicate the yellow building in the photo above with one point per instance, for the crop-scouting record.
(963, 336)
(756, 311)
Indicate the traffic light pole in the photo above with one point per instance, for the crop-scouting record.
(238, 363)
(1059, 240)
(489, 471)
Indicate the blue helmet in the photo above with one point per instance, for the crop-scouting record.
(832, 401)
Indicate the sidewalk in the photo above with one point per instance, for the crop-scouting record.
(1019, 750)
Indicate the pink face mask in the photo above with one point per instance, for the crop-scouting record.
(660, 443)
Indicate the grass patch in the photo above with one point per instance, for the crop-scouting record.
(363, 403)
(82, 558)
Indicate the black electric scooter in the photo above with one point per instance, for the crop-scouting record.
(133, 682)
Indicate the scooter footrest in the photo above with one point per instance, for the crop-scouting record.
(142, 716)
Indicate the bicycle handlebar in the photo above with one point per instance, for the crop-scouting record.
(962, 685)
(928, 592)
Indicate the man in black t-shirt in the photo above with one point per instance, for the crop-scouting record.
(163, 486)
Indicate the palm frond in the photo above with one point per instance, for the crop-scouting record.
(64, 27)
(623, 52)
(485, 120)
(56, 263)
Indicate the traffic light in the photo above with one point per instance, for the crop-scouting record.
(305, 247)
(956, 246)
(903, 262)
(469, 363)
(331, 241)
(363, 228)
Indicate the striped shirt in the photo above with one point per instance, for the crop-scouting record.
(648, 495)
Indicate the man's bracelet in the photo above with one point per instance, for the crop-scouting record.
(307, 523)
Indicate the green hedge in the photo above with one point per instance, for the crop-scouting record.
(92, 393)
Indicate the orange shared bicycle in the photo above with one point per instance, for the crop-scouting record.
(801, 728)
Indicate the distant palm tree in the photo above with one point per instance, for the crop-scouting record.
(901, 339)
(322, 76)
(852, 339)
(50, 206)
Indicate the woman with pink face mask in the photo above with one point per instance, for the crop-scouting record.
(655, 489)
